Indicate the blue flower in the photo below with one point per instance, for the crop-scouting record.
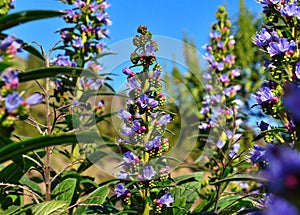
(12, 101)
(291, 100)
(283, 172)
(121, 190)
(157, 141)
(34, 99)
(148, 172)
(128, 72)
(258, 154)
(142, 101)
(11, 79)
(126, 131)
(165, 119)
(265, 96)
(263, 38)
(149, 49)
(132, 83)
(166, 200)
(289, 10)
(124, 115)
(130, 158)
(280, 206)
(149, 145)
(297, 70)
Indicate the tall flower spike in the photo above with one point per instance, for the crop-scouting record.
(143, 123)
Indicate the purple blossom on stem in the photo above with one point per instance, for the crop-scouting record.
(263, 38)
(121, 190)
(265, 96)
(148, 172)
(166, 200)
(289, 10)
(124, 115)
(130, 158)
(258, 154)
(11, 79)
(12, 101)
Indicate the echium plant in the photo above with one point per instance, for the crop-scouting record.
(82, 47)
(12, 104)
(221, 119)
(278, 97)
(145, 172)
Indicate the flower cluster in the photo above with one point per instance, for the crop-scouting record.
(278, 97)
(9, 46)
(12, 104)
(5, 6)
(221, 82)
(82, 40)
(143, 140)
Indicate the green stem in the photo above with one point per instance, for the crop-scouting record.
(146, 209)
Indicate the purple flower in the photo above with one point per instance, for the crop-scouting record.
(124, 115)
(220, 144)
(273, 49)
(143, 100)
(11, 41)
(224, 78)
(265, 96)
(157, 141)
(128, 72)
(291, 100)
(11, 79)
(283, 172)
(149, 49)
(126, 131)
(166, 199)
(258, 154)
(148, 172)
(289, 10)
(132, 83)
(157, 72)
(78, 43)
(280, 206)
(153, 103)
(12, 101)
(215, 35)
(220, 45)
(165, 119)
(61, 60)
(234, 150)
(130, 158)
(217, 65)
(136, 125)
(283, 45)
(34, 99)
(263, 38)
(149, 145)
(121, 190)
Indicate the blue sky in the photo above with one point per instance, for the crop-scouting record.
(163, 17)
(170, 18)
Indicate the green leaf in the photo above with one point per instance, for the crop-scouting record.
(97, 197)
(31, 184)
(32, 50)
(48, 72)
(65, 190)
(49, 208)
(15, 19)
(10, 151)
(188, 190)
(240, 177)
(196, 175)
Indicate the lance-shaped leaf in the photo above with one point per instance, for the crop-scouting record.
(12, 150)
(18, 18)
(48, 72)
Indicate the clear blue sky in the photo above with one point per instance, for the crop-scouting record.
(163, 17)
(169, 18)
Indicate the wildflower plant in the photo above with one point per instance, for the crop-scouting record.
(278, 38)
(142, 142)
